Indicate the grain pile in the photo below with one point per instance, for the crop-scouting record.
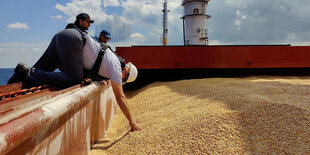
(253, 115)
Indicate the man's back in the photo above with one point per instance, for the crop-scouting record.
(110, 66)
(90, 52)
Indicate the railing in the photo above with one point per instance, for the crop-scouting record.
(61, 122)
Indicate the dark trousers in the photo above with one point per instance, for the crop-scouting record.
(64, 51)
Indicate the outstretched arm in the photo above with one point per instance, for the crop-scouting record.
(122, 102)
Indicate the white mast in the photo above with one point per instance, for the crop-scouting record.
(194, 22)
(165, 23)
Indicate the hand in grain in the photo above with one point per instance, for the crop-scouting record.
(134, 126)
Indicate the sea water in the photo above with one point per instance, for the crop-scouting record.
(5, 74)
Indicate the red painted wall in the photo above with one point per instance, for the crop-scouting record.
(172, 57)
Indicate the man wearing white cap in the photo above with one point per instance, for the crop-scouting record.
(111, 68)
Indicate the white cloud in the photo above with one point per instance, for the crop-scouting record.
(36, 49)
(217, 42)
(119, 27)
(238, 13)
(138, 17)
(238, 23)
(148, 19)
(148, 13)
(233, 21)
(18, 25)
(91, 7)
(259, 22)
(110, 3)
(137, 37)
(237, 3)
(57, 17)
(239, 18)
(92, 32)
(12, 53)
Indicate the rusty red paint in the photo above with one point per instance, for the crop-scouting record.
(179, 57)
(20, 129)
(4, 89)
(39, 129)
(25, 95)
(6, 111)
(14, 90)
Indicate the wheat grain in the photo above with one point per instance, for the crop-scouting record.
(253, 115)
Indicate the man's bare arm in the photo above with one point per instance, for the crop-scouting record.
(122, 102)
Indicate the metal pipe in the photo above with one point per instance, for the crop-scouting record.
(183, 32)
(165, 24)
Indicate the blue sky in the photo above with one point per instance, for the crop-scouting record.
(35, 13)
(27, 26)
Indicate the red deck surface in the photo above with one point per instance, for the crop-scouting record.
(252, 56)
